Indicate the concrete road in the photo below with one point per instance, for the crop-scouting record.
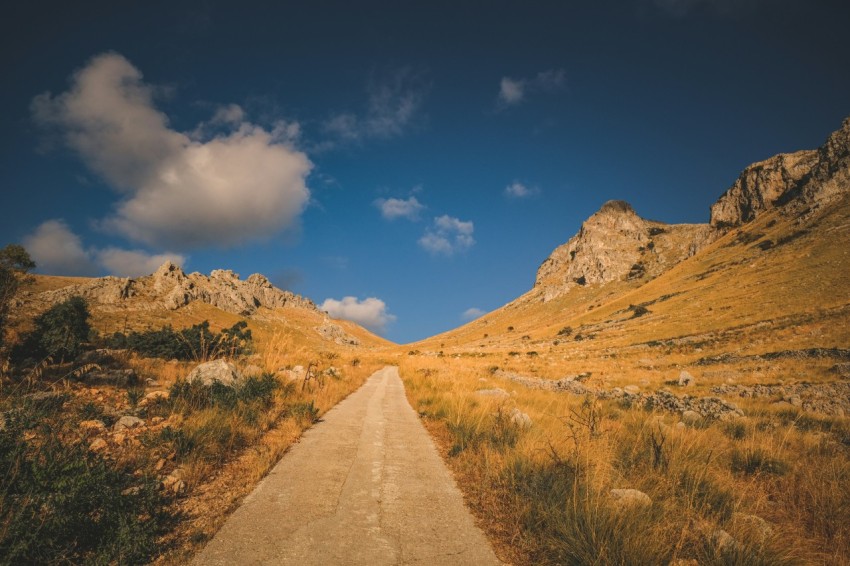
(364, 486)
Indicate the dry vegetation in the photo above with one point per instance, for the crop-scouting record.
(189, 453)
(768, 304)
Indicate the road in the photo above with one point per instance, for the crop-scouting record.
(363, 486)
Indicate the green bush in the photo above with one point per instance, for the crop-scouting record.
(61, 504)
(15, 262)
(59, 333)
(195, 343)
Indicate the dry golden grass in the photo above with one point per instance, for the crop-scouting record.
(543, 492)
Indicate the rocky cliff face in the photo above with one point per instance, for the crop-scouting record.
(616, 244)
(170, 288)
(805, 179)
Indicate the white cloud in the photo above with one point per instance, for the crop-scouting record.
(177, 190)
(519, 190)
(392, 106)
(370, 313)
(59, 251)
(514, 91)
(511, 91)
(447, 236)
(392, 208)
(473, 313)
(134, 263)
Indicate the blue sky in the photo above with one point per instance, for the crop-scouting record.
(421, 159)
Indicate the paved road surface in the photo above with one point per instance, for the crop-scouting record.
(364, 486)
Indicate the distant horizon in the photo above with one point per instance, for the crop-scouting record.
(409, 168)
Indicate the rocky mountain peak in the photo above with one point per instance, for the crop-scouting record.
(613, 244)
(170, 288)
(807, 179)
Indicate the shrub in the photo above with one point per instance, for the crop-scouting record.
(304, 412)
(751, 462)
(194, 343)
(15, 262)
(59, 333)
(61, 503)
(565, 331)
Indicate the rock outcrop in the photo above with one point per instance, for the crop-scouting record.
(170, 288)
(615, 243)
(808, 179)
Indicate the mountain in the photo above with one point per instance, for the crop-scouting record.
(767, 278)
(170, 296)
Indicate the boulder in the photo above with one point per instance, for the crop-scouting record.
(520, 419)
(627, 498)
(221, 371)
(127, 422)
(631, 389)
(685, 379)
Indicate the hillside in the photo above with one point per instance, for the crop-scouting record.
(171, 297)
(768, 275)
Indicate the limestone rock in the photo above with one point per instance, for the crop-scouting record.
(760, 187)
(169, 288)
(628, 498)
(685, 379)
(127, 422)
(335, 333)
(615, 243)
(520, 419)
(219, 370)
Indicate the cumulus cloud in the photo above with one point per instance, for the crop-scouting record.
(514, 91)
(392, 106)
(518, 190)
(447, 236)
(370, 313)
(57, 250)
(392, 208)
(473, 313)
(511, 91)
(178, 190)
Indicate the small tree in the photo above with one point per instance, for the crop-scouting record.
(15, 262)
(59, 333)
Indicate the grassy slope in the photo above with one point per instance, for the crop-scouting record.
(542, 493)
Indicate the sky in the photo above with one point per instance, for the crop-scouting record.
(407, 165)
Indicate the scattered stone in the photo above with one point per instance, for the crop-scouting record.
(119, 438)
(159, 464)
(333, 372)
(625, 498)
(178, 487)
(153, 397)
(685, 379)
(723, 541)
(520, 419)
(795, 400)
(127, 422)
(98, 444)
(217, 370)
(631, 389)
(135, 490)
